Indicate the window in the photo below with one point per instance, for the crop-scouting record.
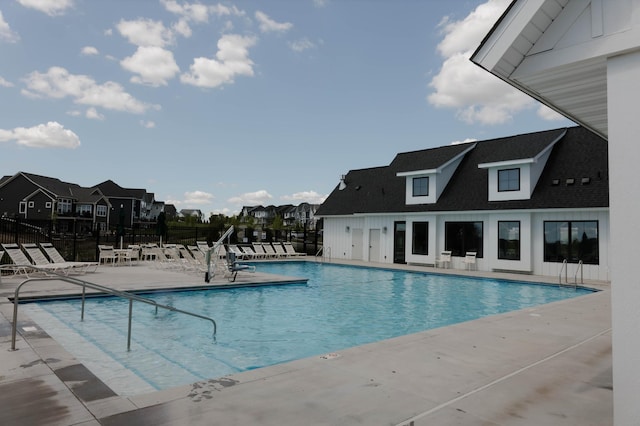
(421, 186)
(47, 205)
(84, 210)
(64, 206)
(571, 240)
(509, 180)
(420, 243)
(461, 237)
(31, 204)
(101, 211)
(23, 207)
(509, 240)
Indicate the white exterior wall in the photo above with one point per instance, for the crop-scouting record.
(623, 90)
(591, 272)
(341, 243)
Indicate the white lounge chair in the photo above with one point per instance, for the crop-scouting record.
(258, 248)
(22, 264)
(444, 261)
(291, 251)
(470, 260)
(268, 248)
(280, 251)
(39, 259)
(56, 257)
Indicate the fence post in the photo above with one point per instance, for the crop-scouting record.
(16, 231)
(75, 240)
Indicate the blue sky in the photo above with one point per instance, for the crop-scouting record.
(216, 105)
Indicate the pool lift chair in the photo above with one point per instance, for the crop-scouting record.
(228, 264)
(233, 267)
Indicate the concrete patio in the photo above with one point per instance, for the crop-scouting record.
(548, 365)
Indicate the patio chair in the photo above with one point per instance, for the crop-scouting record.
(55, 257)
(470, 260)
(291, 251)
(106, 254)
(251, 253)
(444, 261)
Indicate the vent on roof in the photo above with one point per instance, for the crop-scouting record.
(555, 182)
(585, 180)
(342, 185)
(571, 181)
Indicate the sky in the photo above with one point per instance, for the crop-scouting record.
(217, 105)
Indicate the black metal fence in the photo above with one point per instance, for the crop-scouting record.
(84, 247)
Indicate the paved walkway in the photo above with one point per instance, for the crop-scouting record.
(549, 365)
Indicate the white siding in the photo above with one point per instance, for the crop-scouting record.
(340, 240)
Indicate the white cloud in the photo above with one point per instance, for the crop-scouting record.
(194, 12)
(93, 114)
(301, 45)
(148, 124)
(89, 50)
(6, 34)
(50, 135)
(476, 95)
(222, 10)
(145, 32)
(232, 59)
(269, 25)
(198, 197)
(5, 83)
(252, 198)
(50, 7)
(154, 66)
(58, 83)
(320, 3)
(311, 197)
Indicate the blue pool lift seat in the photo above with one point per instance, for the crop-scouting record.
(233, 267)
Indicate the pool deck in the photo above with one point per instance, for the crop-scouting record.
(548, 365)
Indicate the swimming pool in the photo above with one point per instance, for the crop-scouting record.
(339, 307)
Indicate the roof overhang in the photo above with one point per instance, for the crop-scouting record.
(555, 51)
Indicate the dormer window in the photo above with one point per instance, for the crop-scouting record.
(421, 186)
(509, 180)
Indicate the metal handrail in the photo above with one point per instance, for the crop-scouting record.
(324, 251)
(575, 277)
(565, 268)
(130, 296)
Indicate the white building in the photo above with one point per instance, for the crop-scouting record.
(524, 204)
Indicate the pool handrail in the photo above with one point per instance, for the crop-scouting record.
(51, 275)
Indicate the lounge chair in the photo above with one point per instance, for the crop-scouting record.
(233, 267)
(259, 250)
(291, 251)
(280, 251)
(232, 248)
(268, 248)
(444, 261)
(56, 257)
(470, 260)
(250, 253)
(39, 259)
(22, 264)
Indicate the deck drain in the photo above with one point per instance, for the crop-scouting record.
(332, 355)
(30, 328)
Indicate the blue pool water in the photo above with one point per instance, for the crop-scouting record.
(339, 307)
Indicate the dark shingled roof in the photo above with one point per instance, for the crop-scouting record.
(578, 154)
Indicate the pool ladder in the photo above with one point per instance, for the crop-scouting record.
(326, 253)
(565, 269)
(86, 284)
